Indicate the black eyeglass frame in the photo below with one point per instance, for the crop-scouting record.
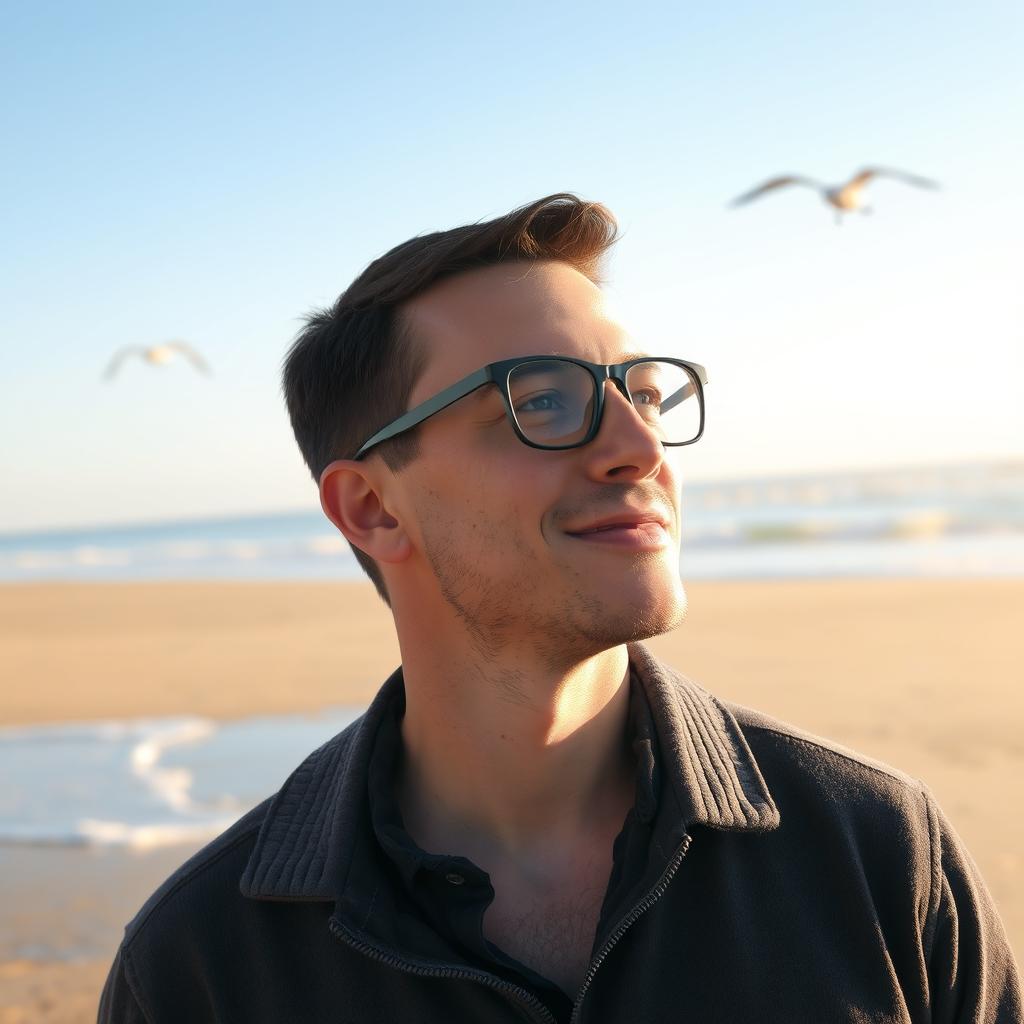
(498, 373)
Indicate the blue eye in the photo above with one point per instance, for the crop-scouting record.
(547, 401)
(647, 397)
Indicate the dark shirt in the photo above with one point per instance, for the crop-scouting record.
(453, 893)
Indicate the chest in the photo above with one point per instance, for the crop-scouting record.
(549, 928)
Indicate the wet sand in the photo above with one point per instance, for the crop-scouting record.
(63, 913)
(922, 674)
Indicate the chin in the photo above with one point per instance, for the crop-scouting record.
(636, 613)
(659, 617)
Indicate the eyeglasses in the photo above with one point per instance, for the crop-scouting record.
(555, 402)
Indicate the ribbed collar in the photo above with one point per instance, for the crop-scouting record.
(317, 828)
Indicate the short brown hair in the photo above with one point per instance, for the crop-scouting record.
(362, 339)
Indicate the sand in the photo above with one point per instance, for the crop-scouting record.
(922, 674)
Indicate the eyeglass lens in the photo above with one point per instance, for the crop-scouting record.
(553, 400)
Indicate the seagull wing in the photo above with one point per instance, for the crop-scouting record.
(188, 351)
(771, 185)
(864, 176)
(119, 358)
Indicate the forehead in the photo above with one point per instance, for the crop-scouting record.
(509, 310)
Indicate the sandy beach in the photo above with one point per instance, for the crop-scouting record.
(924, 675)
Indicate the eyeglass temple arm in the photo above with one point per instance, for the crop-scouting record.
(685, 392)
(427, 409)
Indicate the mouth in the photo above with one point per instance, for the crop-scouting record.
(639, 534)
(625, 519)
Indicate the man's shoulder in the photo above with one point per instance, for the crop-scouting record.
(208, 879)
(798, 764)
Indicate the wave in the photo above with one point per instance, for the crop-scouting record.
(146, 783)
(917, 524)
(87, 558)
(96, 755)
(97, 833)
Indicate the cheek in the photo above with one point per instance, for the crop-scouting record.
(671, 477)
(495, 508)
(487, 496)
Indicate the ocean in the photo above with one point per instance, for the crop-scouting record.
(960, 520)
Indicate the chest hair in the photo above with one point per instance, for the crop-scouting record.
(553, 934)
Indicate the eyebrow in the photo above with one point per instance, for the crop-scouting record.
(624, 358)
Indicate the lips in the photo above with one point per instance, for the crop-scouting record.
(613, 526)
(631, 536)
(628, 521)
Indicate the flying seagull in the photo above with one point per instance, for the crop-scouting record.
(157, 355)
(844, 198)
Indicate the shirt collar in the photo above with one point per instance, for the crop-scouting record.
(318, 826)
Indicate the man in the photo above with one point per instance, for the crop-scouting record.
(534, 820)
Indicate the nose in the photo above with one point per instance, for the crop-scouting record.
(625, 447)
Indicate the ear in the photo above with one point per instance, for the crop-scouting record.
(350, 495)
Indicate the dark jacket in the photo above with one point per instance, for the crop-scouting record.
(787, 880)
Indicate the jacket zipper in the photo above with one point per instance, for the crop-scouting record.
(537, 1008)
(623, 926)
(506, 987)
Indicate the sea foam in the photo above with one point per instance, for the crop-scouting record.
(150, 782)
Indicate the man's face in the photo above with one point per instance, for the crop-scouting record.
(494, 520)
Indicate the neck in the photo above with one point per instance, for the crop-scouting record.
(509, 752)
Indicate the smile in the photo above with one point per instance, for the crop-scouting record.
(633, 536)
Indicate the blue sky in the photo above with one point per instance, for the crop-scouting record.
(211, 172)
